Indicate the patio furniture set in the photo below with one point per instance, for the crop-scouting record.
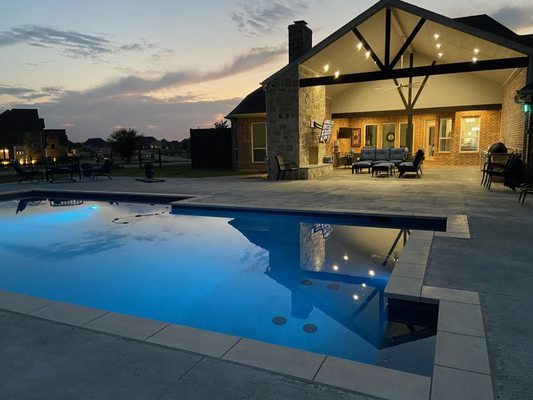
(378, 161)
(68, 169)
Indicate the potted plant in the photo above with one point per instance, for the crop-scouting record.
(149, 170)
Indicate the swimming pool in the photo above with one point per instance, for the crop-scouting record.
(294, 280)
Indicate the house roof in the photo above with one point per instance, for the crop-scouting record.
(96, 142)
(489, 24)
(254, 103)
(59, 134)
(18, 121)
(481, 27)
(21, 120)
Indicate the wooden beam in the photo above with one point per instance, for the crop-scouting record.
(368, 48)
(419, 92)
(387, 36)
(399, 88)
(417, 111)
(441, 69)
(407, 42)
(411, 64)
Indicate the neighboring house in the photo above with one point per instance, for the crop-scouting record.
(395, 76)
(57, 144)
(96, 145)
(21, 136)
(149, 143)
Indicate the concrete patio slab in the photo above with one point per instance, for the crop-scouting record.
(462, 352)
(214, 379)
(22, 303)
(379, 382)
(460, 318)
(456, 384)
(280, 359)
(409, 270)
(459, 296)
(68, 313)
(212, 344)
(126, 325)
(404, 288)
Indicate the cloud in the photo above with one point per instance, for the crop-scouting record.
(514, 17)
(135, 86)
(265, 17)
(29, 93)
(73, 44)
(130, 101)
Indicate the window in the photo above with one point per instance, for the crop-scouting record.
(388, 135)
(371, 135)
(469, 134)
(4, 154)
(259, 142)
(445, 135)
(53, 146)
(406, 138)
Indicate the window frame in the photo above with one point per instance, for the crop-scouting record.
(376, 137)
(252, 142)
(478, 117)
(448, 138)
(400, 133)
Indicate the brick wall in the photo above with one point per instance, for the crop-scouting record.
(512, 115)
(489, 133)
(243, 133)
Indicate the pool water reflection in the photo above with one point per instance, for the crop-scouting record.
(294, 282)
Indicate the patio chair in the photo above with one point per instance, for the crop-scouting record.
(511, 172)
(102, 170)
(412, 166)
(284, 168)
(26, 175)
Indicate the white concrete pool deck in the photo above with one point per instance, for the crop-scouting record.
(462, 362)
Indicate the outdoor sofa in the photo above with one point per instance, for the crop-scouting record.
(371, 156)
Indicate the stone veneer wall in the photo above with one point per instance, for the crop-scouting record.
(512, 115)
(282, 107)
(290, 111)
(312, 107)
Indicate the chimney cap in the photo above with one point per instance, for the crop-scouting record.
(300, 22)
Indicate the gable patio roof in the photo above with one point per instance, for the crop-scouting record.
(477, 26)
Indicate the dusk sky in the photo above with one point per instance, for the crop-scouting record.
(164, 66)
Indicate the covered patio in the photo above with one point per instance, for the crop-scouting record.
(402, 76)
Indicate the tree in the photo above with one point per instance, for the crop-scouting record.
(125, 141)
(221, 124)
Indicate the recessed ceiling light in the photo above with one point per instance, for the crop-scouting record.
(440, 55)
(337, 73)
(474, 59)
(476, 51)
(326, 68)
(367, 54)
(436, 36)
(438, 45)
(359, 46)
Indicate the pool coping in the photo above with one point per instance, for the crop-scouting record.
(461, 364)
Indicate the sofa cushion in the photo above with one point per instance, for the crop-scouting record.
(382, 155)
(367, 154)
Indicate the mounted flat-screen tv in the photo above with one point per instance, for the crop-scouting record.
(327, 128)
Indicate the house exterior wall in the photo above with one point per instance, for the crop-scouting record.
(512, 116)
(283, 122)
(489, 133)
(312, 107)
(242, 131)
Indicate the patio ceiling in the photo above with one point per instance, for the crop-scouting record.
(360, 47)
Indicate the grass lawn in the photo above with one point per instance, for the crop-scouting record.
(168, 171)
(180, 171)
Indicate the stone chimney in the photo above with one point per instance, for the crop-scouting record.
(300, 39)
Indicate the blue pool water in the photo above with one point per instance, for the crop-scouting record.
(298, 283)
